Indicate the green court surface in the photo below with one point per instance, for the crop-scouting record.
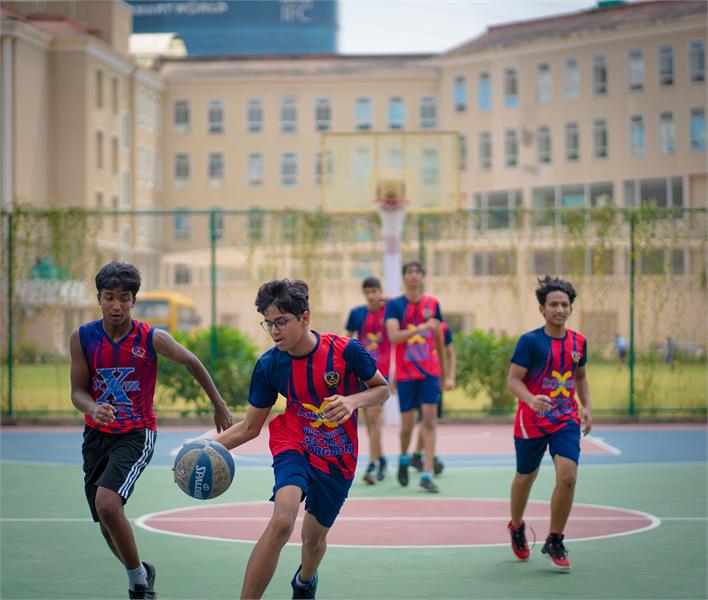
(50, 549)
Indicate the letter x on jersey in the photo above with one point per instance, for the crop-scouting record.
(113, 378)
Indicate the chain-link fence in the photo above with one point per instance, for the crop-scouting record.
(640, 276)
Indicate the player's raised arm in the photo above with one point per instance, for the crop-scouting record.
(516, 385)
(81, 397)
(166, 346)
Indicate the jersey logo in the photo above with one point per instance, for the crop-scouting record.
(138, 351)
(319, 411)
(559, 383)
(112, 383)
(373, 339)
(331, 378)
(576, 356)
(416, 339)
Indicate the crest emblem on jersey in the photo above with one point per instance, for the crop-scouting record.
(138, 351)
(576, 356)
(331, 378)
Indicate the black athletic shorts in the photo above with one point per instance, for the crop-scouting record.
(114, 461)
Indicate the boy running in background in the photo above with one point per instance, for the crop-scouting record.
(367, 321)
(325, 378)
(547, 367)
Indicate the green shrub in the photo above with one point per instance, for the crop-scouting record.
(483, 365)
(236, 357)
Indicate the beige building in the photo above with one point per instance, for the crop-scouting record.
(602, 107)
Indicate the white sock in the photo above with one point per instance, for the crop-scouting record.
(137, 576)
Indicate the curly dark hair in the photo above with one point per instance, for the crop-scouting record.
(117, 275)
(288, 295)
(371, 282)
(554, 284)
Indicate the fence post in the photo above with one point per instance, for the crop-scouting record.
(10, 301)
(632, 266)
(212, 236)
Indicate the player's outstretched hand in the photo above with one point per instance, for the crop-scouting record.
(540, 403)
(222, 418)
(339, 409)
(103, 414)
(586, 421)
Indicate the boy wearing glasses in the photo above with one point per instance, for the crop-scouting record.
(325, 379)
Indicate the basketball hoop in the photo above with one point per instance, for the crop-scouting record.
(389, 205)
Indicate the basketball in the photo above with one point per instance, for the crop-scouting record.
(203, 469)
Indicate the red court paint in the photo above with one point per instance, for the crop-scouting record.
(403, 522)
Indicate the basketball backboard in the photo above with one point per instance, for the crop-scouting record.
(361, 168)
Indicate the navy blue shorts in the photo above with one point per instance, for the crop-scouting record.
(413, 393)
(324, 494)
(565, 442)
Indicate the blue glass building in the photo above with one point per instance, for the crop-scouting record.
(242, 27)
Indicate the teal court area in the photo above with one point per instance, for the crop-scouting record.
(638, 529)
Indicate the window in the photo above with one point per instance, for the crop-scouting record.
(698, 129)
(288, 115)
(429, 173)
(696, 61)
(323, 114)
(288, 169)
(463, 153)
(254, 115)
(428, 112)
(571, 79)
(543, 144)
(485, 150)
(99, 208)
(255, 225)
(254, 169)
(636, 135)
(664, 192)
(182, 116)
(494, 263)
(216, 116)
(127, 189)
(497, 210)
(572, 141)
(115, 155)
(99, 89)
(484, 92)
(183, 275)
(599, 74)
(635, 69)
(216, 168)
(545, 262)
(601, 261)
(544, 83)
(651, 262)
(363, 113)
(599, 138)
(396, 113)
(323, 168)
(99, 150)
(666, 65)
(125, 130)
(511, 94)
(181, 169)
(115, 96)
(667, 133)
(217, 218)
(181, 224)
(544, 203)
(601, 194)
(459, 94)
(511, 148)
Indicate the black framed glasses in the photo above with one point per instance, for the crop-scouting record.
(278, 323)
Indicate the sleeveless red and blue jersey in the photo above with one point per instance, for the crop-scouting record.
(123, 374)
(417, 357)
(336, 365)
(371, 333)
(551, 364)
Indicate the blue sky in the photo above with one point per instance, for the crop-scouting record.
(412, 26)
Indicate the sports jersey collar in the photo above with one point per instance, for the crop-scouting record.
(565, 335)
(121, 340)
(311, 352)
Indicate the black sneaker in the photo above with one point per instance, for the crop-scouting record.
(417, 461)
(403, 474)
(383, 467)
(438, 466)
(142, 591)
(556, 552)
(427, 484)
(369, 475)
(304, 591)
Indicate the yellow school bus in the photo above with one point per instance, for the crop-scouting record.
(166, 310)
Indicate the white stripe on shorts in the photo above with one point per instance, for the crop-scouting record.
(139, 466)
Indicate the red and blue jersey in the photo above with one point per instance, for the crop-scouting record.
(123, 373)
(551, 364)
(417, 357)
(371, 333)
(336, 365)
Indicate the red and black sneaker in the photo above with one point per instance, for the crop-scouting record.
(556, 551)
(518, 541)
